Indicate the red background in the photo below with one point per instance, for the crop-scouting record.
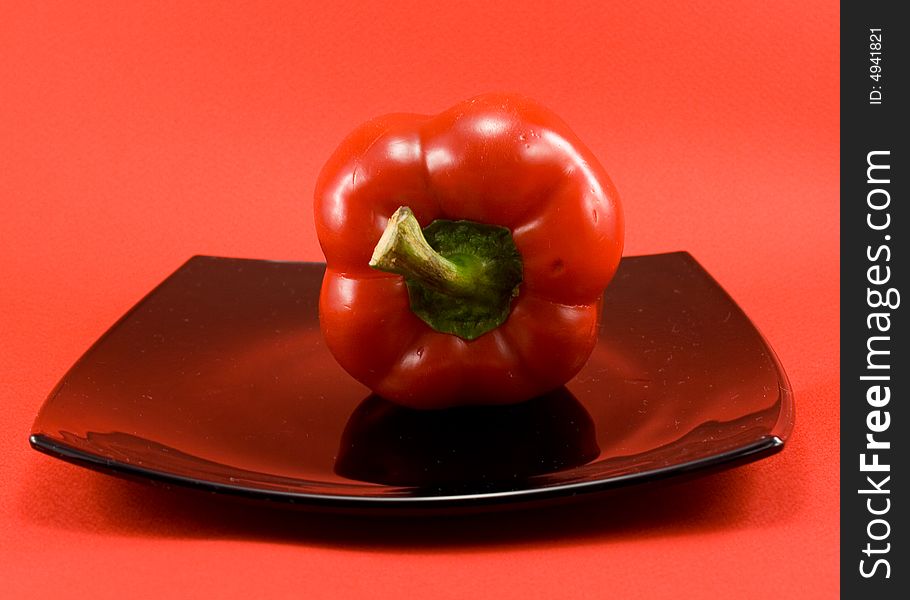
(134, 135)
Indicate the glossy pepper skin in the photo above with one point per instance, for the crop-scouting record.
(497, 159)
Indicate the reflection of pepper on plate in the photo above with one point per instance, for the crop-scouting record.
(473, 448)
(467, 253)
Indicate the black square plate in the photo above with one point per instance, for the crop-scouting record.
(219, 380)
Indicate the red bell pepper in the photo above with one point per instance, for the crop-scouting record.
(467, 253)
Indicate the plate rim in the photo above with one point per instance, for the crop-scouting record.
(760, 448)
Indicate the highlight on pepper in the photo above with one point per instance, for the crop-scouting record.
(466, 253)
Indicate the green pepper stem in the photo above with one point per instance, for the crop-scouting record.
(404, 250)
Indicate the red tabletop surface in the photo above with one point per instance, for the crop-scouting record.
(136, 134)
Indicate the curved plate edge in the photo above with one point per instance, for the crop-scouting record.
(759, 449)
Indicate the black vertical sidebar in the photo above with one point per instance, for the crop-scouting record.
(875, 370)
